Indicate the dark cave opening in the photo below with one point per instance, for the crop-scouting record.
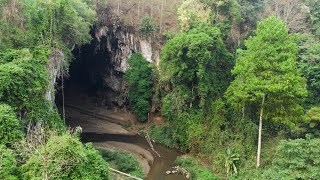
(92, 78)
(87, 70)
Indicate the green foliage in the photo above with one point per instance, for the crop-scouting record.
(24, 82)
(8, 164)
(226, 10)
(268, 68)
(139, 77)
(296, 159)
(9, 125)
(124, 162)
(231, 161)
(147, 26)
(193, 61)
(196, 171)
(37, 30)
(314, 16)
(247, 174)
(11, 20)
(65, 157)
(162, 134)
(309, 63)
(250, 13)
(225, 14)
(168, 35)
(310, 125)
(59, 22)
(313, 114)
(193, 73)
(55, 24)
(191, 14)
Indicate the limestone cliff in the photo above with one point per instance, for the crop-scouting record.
(119, 41)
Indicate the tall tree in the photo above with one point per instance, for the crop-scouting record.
(198, 61)
(139, 77)
(194, 71)
(266, 74)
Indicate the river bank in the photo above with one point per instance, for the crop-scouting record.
(118, 130)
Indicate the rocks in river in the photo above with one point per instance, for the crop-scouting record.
(180, 170)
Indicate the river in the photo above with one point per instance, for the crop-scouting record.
(106, 127)
(160, 165)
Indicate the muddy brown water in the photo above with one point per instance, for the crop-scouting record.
(160, 164)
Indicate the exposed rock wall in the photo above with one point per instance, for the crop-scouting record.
(119, 42)
(55, 67)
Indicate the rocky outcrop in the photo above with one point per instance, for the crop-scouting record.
(55, 65)
(119, 42)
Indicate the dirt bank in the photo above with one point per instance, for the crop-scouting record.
(94, 120)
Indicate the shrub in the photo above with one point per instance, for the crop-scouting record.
(196, 171)
(147, 26)
(8, 164)
(24, 82)
(65, 157)
(296, 159)
(9, 125)
(123, 161)
(163, 134)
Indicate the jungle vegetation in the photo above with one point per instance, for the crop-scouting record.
(238, 85)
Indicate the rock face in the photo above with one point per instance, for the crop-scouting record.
(54, 66)
(118, 42)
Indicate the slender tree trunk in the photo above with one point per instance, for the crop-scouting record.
(161, 15)
(260, 133)
(118, 10)
(138, 9)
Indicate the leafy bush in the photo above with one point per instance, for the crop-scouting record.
(191, 13)
(23, 81)
(8, 164)
(296, 159)
(147, 26)
(9, 125)
(123, 161)
(309, 63)
(139, 77)
(196, 171)
(247, 174)
(48, 22)
(162, 134)
(194, 72)
(65, 157)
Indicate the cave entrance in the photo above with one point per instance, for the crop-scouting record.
(92, 80)
(86, 77)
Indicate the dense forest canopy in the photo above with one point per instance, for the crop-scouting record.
(237, 85)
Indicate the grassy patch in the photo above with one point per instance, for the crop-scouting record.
(195, 169)
(122, 161)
